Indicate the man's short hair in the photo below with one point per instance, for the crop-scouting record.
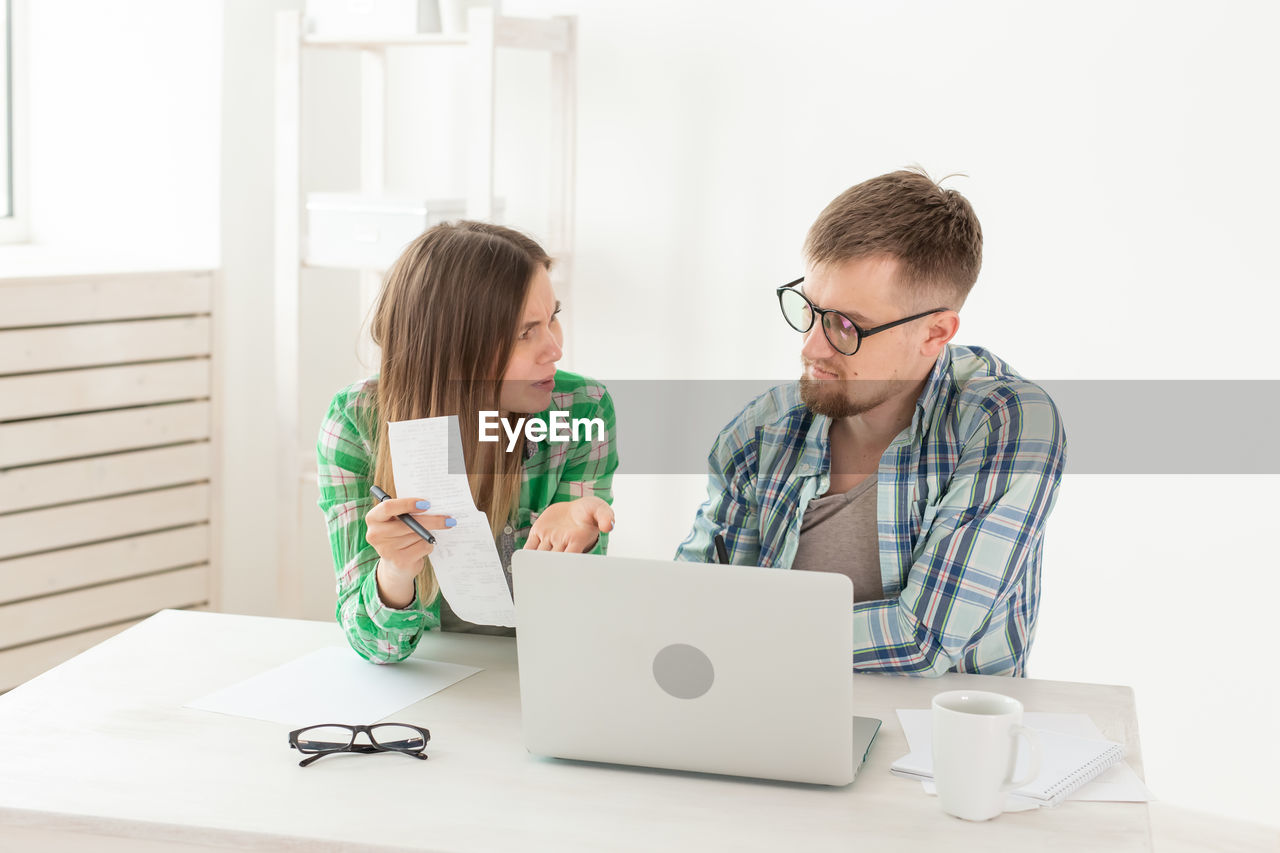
(933, 233)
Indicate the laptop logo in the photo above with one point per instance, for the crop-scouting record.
(683, 671)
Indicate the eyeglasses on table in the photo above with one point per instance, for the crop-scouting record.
(331, 738)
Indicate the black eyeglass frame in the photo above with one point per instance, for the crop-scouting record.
(364, 748)
(820, 315)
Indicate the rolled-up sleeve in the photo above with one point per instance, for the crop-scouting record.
(730, 508)
(377, 632)
(592, 461)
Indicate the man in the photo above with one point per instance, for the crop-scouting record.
(923, 470)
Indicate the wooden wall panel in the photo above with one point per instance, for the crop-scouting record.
(92, 299)
(76, 436)
(41, 530)
(35, 395)
(107, 458)
(27, 621)
(88, 565)
(103, 476)
(62, 347)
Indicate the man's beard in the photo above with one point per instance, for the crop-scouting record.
(835, 397)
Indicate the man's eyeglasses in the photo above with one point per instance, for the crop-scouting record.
(322, 740)
(842, 333)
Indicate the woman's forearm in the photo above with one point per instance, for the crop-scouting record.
(394, 588)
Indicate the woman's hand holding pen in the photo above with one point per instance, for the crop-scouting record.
(401, 549)
(571, 526)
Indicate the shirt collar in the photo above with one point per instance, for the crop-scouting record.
(815, 457)
(931, 396)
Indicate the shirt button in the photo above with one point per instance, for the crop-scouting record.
(507, 529)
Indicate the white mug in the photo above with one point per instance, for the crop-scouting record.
(974, 737)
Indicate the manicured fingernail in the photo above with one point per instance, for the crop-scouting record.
(450, 522)
(423, 504)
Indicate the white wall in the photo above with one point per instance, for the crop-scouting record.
(1118, 155)
(124, 119)
(247, 536)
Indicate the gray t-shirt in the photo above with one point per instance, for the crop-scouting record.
(838, 534)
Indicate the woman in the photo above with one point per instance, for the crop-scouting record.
(467, 322)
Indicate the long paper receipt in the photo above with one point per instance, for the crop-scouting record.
(426, 458)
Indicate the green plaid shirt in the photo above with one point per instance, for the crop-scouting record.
(553, 472)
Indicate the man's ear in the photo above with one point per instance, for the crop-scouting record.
(940, 328)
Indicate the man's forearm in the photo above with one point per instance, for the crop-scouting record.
(883, 641)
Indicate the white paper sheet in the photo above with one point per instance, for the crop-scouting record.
(1115, 784)
(465, 558)
(333, 685)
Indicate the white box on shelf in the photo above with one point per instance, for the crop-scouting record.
(453, 13)
(369, 232)
(371, 17)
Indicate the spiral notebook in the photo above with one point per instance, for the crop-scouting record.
(1067, 762)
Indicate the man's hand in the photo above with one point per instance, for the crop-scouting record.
(571, 526)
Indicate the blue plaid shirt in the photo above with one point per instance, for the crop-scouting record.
(963, 495)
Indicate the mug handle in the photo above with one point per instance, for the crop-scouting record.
(1033, 740)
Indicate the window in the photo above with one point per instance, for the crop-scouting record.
(11, 224)
(6, 148)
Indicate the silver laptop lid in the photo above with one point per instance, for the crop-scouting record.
(720, 669)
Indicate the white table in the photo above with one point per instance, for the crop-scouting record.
(101, 746)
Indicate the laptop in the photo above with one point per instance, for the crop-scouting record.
(733, 670)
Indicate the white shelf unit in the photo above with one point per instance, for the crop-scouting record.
(486, 34)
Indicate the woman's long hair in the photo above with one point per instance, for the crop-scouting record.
(446, 320)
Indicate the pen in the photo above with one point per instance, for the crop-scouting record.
(406, 518)
(722, 553)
